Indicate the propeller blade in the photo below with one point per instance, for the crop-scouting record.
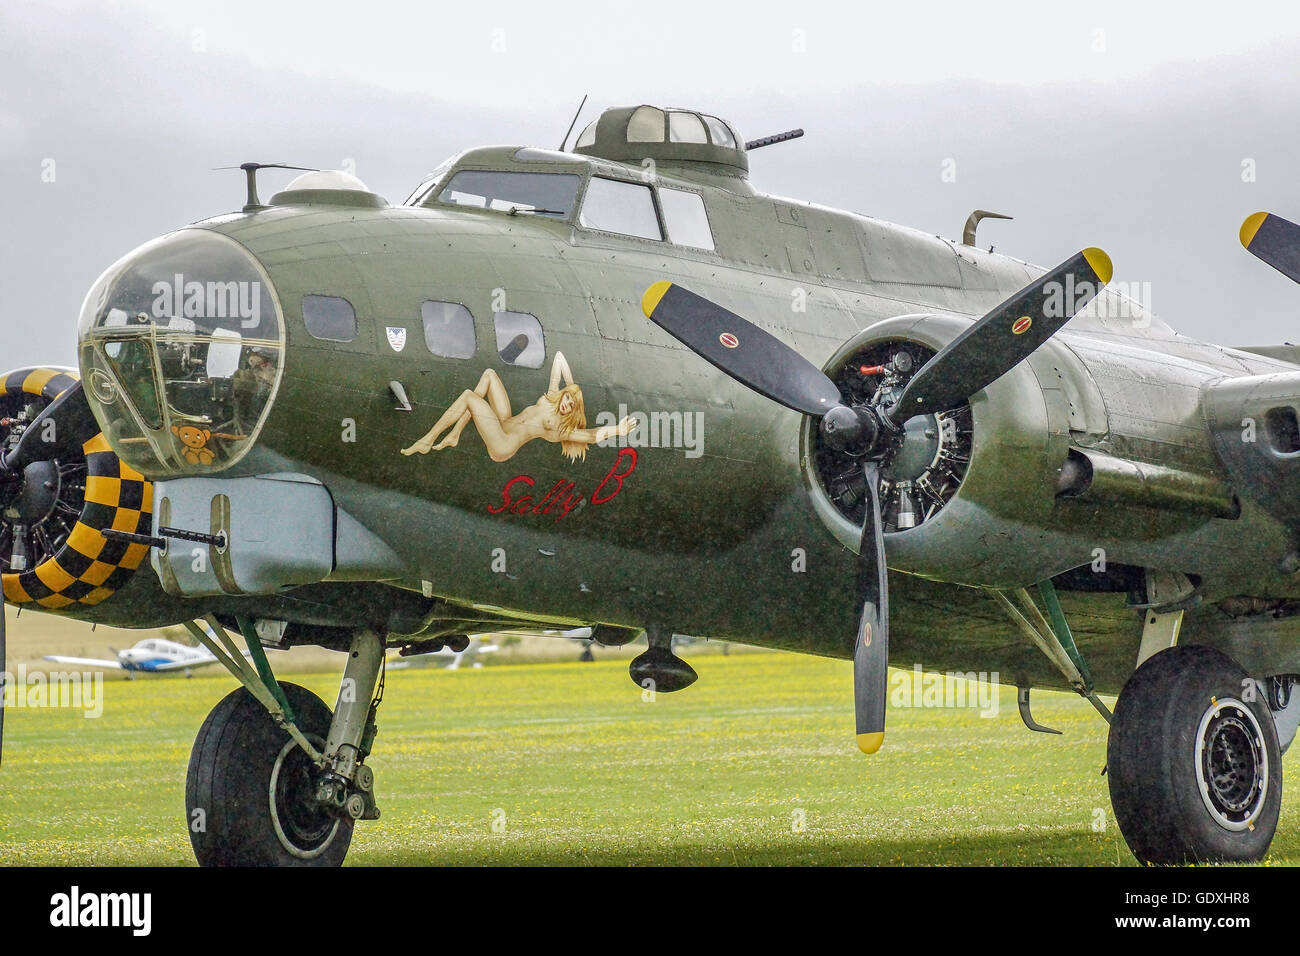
(1004, 337)
(741, 349)
(871, 652)
(1274, 240)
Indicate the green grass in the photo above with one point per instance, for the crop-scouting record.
(585, 772)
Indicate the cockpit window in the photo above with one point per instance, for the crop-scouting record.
(542, 194)
(612, 205)
(422, 191)
(180, 347)
(685, 218)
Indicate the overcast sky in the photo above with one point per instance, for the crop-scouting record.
(1138, 130)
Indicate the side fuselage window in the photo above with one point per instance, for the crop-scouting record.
(329, 317)
(685, 218)
(448, 329)
(612, 205)
(519, 339)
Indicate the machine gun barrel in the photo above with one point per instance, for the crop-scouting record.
(773, 139)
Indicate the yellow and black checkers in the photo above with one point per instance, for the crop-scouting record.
(89, 567)
(48, 383)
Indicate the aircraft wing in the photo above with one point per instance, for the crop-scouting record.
(182, 664)
(84, 662)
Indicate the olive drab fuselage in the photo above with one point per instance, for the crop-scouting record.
(707, 517)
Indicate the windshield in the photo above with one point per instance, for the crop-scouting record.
(181, 346)
(542, 194)
(421, 193)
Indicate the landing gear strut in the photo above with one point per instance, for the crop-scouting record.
(275, 779)
(1195, 770)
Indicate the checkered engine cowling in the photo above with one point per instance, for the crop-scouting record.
(73, 564)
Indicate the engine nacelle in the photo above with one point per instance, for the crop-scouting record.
(983, 478)
(51, 551)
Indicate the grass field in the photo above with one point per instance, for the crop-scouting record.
(755, 764)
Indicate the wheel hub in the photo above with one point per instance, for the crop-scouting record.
(303, 827)
(1231, 764)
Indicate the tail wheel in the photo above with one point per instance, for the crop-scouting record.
(1195, 769)
(250, 793)
(51, 551)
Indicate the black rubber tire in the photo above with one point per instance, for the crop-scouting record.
(1152, 756)
(229, 781)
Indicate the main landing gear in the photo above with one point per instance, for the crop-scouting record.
(1195, 768)
(1194, 760)
(275, 779)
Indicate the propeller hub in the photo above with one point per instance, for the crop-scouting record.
(916, 450)
(853, 429)
(34, 496)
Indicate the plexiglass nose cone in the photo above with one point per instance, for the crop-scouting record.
(181, 347)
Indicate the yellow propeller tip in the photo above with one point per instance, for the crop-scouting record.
(870, 743)
(650, 301)
(1100, 263)
(1251, 226)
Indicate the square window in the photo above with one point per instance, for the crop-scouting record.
(448, 329)
(685, 218)
(519, 339)
(329, 317)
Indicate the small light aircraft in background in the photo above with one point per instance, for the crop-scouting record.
(154, 655)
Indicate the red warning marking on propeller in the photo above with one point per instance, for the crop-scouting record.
(729, 340)
(1022, 324)
(866, 634)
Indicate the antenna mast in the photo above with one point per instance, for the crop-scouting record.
(574, 123)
